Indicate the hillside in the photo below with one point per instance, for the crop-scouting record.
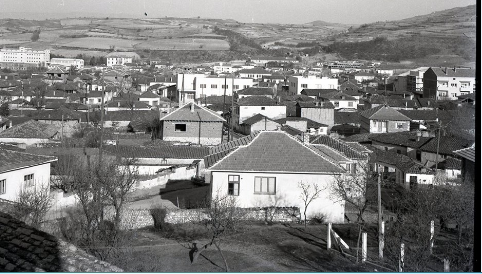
(448, 34)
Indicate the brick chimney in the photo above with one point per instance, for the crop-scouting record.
(192, 107)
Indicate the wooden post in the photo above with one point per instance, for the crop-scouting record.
(328, 236)
(402, 255)
(446, 265)
(432, 231)
(381, 240)
(380, 232)
(364, 247)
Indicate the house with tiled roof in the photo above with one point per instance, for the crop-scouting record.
(27, 249)
(254, 73)
(256, 123)
(316, 93)
(57, 74)
(321, 112)
(340, 100)
(248, 107)
(23, 171)
(31, 133)
(437, 150)
(150, 98)
(396, 103)
(383, 119)
(270, 167)
(193, 123)
(305, 125)
(126, 105)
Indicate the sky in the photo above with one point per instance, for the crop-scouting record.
(247, 11)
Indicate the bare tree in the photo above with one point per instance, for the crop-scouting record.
(309, 193)
(223, 216)
(32, 205)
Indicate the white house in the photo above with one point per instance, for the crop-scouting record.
(68, 62)
(268, 170)
(298, 83)
(448, 83)
(23, 171)
(249, 106)
(121, 58)
(214, 85)
(150, 99)
(254, 73)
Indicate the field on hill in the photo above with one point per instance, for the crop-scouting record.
(184, 44)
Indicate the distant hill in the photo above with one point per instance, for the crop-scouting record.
(445, 35)
(320, 23)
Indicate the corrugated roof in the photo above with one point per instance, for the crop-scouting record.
(276, 151)
(10, 159)
(198, 113)
(338, 145)
(467, 153)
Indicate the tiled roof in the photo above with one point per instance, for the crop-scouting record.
(316, 92)
(313, 104)
(211, 159)
(345, 129)
(198, 113)
(257, 101)
(427, 102)
(256, 118)
(297, 98)
(148, 94)
(309, 123)
(233, 144)
(450, 72)
(362, 137)
(400, 161)
(58, 114)
(336, 95)
(451, 163)
(291, 130)
(447, 145)
(57, 70)
(256, 91)
(347, 117)
(26, 249)
(467, 153)
(358, 147)
(384, 113)
(10, 160)
(30, 129)
(128, 115)
(338, 145)
(394, 102)
(422, 115)
(254, 71)
(176, 152)
(276, 151)
(406, 139)
(128, 104)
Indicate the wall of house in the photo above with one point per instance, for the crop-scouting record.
(387, 126)
(272, 112)
(422, 179)
(204, 133)
(321, 115)
(299, 125)
(26, 141)
(431, 157)
(15, 180)
(298, 83)
(287, 193)
(390, 147)
(345, 104)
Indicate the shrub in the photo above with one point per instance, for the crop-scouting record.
(318, 219)
(159, 216)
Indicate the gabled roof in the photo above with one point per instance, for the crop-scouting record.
(233, 144)
(329, 153)
(447, 145)
(422, 115)
(193, 112)
(57, 70)
(166, 151)
(257, 101)
(384, 113)
(346, 117)
(58, 114)
(129, 104)
(291, 130)
(394, 102)
(467, 153)
(256, 91)
(276, 151)
(148, 94)
(256, 118)
(450, 72)
(400, 161)
(128, 115)
(338, 95)
(314, 104)
(339, 146)
(309, 123)
(406, 139)
(11, 160)
(30, 129)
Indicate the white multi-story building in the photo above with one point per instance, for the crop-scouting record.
(25, 55)
(448, 83)
(298, 83)
(214, 86)
(67, 62)
(121, 58)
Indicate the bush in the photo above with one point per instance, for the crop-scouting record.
(159, 216)
(318, 219)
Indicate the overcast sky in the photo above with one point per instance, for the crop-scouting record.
(257, 11)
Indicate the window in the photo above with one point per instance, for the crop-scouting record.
(264, 185)
(337, 104)
(350, 104)
(304, 85)
(99, 100)
(28, 180)
(399, 125)
(225, 86)
(263, 108)
(236, 86)
(202, 85)
(214, 86)
(454, 94)
(245, 86)
(233, 185)
(179, 127)
(3, 185)
(453, 85)
(351, 168)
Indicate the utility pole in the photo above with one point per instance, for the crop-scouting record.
(438, 146)
(232, 107)
(380, 224)
(102, 119)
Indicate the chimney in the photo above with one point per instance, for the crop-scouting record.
(306, 138)
(118, 104)
(192, 107)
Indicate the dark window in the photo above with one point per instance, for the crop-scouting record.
(3, 186)
(233, 185)
(180, 127)
(263, 108)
